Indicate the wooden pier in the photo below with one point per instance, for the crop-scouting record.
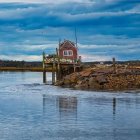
(62, 63)
(59, 68)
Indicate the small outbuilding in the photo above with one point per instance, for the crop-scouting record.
(68, 50)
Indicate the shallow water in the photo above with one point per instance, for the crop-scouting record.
(30, 110)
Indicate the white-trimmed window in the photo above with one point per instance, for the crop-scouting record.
(68, 53)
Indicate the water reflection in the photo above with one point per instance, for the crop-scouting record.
(114, 106)
(67, 106)
(44, 103)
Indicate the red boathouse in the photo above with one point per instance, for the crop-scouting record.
(68, 50)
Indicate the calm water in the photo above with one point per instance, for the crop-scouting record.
(30, 110)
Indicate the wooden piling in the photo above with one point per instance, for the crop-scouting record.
(53, 71)
(44, 76)
(74, 67)
(58, 71)
(44, 68)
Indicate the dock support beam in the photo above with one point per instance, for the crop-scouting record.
(44, 76)
(58, 69)
(53, 72)
(44, 68)
(74, 67)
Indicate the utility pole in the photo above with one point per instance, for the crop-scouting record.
(76, 37)
(114, 64)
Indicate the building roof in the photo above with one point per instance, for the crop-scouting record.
(67, 41)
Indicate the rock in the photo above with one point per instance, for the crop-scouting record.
(82, 85)
(59, 83)
(101, 79)
(74, 77)
(86, 73)
(66, 80)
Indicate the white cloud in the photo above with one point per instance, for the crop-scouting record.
(38, 47)
(45, 1)
(81, 46)
(85, 57)
(21, 57)
(110, 0)
(92, 58)
(21, 13)
(17, 13)
(135, 9)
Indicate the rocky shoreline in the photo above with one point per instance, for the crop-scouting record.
(103, 79)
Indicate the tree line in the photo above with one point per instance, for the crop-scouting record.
(19, 64)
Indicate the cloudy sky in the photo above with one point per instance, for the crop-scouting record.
(105, 28)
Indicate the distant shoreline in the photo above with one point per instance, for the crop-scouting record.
(16, 69)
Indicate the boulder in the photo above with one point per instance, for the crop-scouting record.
(101, 79)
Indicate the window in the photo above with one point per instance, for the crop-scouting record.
(67, 52)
